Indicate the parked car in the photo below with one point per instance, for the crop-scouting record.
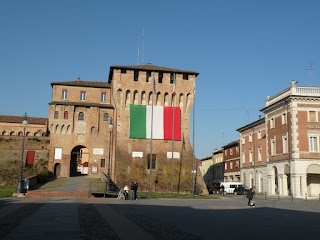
(240, 191)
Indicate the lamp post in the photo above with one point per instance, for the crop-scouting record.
(109, 159)
(24, 123)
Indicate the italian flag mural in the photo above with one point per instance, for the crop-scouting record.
(163, 122)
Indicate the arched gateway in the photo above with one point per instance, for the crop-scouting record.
(79, 161)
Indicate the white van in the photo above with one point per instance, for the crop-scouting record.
(230, 186)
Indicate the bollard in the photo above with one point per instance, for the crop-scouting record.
(265, 195)
(306, 197)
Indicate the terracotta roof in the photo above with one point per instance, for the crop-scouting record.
(80, 83)
(231, 144)
(150, 67)
(19, 119)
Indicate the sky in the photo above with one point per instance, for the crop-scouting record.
(244, 51)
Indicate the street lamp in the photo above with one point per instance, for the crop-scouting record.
(109, 159)
(24, 123)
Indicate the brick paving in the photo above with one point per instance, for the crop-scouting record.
(108, 218)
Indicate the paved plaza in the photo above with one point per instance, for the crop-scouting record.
(106, 218)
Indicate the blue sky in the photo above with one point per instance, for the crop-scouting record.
(244, 51)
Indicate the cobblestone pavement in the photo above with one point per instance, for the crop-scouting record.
(103, 218)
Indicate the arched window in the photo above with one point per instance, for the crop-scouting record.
(12, 133)
(81, 116)
(56, 115)
(106, 117)
(20, 133)
(4, 133)
(65, 115)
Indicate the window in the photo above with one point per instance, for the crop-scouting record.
(243, 155)
(259, 154)
(272, 146)
(171, 78)
(283, 118)
(148, 76)
(250, 137)
(312, 116)
(105, 117)
(153, 161)
(56, 115)
(81, 116)
(64, 94)
(259, 134)
(160, 77)
(65, 115)
(102, 163)
(231, 165)
(271, 123)
(250, 155)
(136, 76)
(185, 76)
(225, 153)
(313, 143)
(231, 151)
(237, 163)
(237, 150)
(82, 96)
(285, 143)
(243, 140)
(103, 97)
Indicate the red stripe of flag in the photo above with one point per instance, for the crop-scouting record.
(167, 122)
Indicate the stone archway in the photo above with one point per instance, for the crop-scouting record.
(57, 169)
(79, 156)
(313, 180)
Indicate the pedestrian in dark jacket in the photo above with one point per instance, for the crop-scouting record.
(135, 188)
(132, 191)
(250, 197)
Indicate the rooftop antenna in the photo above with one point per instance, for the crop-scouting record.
(138, 54)
(142, 60)
(141, 42)
(310, 69)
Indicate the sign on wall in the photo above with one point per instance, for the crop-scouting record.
(57, 153)
(98, 151)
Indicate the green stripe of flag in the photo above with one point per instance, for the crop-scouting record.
(138, 121)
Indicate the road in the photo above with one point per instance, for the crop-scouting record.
(103, 218)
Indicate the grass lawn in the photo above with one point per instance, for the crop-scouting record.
(7, 191)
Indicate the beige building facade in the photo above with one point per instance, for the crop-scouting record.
(79, 117)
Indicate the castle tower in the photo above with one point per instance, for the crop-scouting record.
(141, 93)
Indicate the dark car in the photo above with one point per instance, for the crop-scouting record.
(240, 191)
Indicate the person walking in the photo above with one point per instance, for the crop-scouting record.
(135, 188)
(132, 197)
(250, 197)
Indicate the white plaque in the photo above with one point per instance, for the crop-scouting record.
(137, 154)
(98, 151)
(175, 155)
(57, 153)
